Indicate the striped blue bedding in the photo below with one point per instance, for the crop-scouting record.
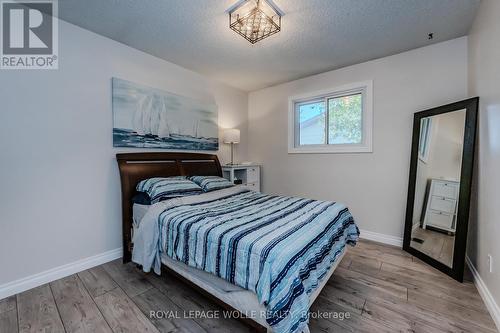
(278, 247)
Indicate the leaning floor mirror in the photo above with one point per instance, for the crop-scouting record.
(442, 158)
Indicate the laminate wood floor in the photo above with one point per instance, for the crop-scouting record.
(382, 288)
(436, 244)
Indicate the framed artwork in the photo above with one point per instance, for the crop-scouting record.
(145, 117)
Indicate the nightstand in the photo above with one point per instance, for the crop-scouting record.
(442, 205)
(249, 174)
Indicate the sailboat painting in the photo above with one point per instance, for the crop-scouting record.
(145, 117)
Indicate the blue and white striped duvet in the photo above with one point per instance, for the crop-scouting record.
(278, 247)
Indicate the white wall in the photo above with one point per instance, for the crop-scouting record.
(60, 198)
(445, 155)
(373, 185)
(484, 81)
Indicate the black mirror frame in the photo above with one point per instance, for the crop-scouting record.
(471, 106)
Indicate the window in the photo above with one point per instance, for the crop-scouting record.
(425, 138)
(334, 121)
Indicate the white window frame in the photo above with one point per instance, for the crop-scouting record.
(424, 147)
(366, 146)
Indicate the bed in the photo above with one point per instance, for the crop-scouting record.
(274, 293)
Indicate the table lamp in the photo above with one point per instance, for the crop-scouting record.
(231, 136)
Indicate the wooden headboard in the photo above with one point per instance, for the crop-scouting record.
(135, 167)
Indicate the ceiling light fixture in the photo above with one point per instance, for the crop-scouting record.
(255, 20)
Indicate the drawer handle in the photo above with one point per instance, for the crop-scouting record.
(444, 198)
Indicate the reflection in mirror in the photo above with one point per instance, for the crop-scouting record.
(437, 185)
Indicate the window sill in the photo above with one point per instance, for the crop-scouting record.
(339, 149)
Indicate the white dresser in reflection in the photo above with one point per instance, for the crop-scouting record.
(249, 175)
(442, 203)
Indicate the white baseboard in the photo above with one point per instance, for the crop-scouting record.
(17, 286)
(488, 299)
(381, 238)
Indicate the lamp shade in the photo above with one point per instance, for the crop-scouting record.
(231, 136)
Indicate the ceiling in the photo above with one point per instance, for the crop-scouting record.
(316, 36)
